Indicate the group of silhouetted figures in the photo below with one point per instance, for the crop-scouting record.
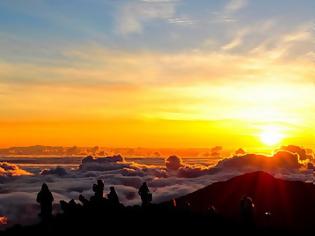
(91, 215)
(184, 215)
(45, 199)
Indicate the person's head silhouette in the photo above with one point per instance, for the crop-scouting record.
(44, 187)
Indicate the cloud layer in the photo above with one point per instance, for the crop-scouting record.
(175, 179)
(9, 169)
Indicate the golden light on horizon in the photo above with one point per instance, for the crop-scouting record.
(271, 135)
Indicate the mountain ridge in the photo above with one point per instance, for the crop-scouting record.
(286, 202)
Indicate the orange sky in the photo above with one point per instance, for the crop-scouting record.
(196, 82)
(231, 109)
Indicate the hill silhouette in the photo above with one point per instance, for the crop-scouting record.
(280, 203)
(281, 206)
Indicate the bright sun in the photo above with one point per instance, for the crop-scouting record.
(271, 135)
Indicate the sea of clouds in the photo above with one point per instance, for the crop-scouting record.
(18, 187)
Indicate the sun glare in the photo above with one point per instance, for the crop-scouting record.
(271, 135)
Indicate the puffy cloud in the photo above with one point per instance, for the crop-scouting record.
(281, 160)
(240, 151)
(100, 160)
(173, 163)
(216, 151)
(102, 163)
(133, 15)
(304, 154)
(194, 171)
(117, 165)
(235, 5)
(9, 169)
(56, 171)
(175, 179)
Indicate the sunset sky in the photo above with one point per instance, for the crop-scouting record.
(157, 73)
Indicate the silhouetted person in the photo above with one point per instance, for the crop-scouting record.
(45, 199)
(64, 206)
(211, 211)
(73, 206)
(113, 197)
(83, 200)
(100, 185)
(98, 190)
(247, 210)
(69, 207)
(145, 194)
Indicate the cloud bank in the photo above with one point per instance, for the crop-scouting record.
(176, 178)
(9, 169)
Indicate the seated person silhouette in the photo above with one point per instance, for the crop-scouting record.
(83, 200)
(145, 194)
(211, 211)
(70, 207)
(45, 199)
(113, 197)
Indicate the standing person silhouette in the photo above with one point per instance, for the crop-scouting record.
(113, 197)
(45, 199)
(98, 190)
(247, 208)
(145, 194)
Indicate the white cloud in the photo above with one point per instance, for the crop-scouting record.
(233, 44)
(226, 14)
(235, 5)
(133, 15)
(17, 194)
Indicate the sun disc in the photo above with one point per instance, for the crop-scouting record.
(271, 136)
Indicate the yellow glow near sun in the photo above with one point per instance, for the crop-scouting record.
(271, 135)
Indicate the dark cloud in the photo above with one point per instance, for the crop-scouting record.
(193, 171)
(173, 163)
(102, 163)
(216, 151)
(310, 166)
(240, 151)
(304, 154)
(56, 171)
(281, 160)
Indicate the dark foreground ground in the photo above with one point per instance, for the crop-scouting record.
(139, 221)
(281, 208)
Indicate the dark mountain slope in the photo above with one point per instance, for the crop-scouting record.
(291, 203)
